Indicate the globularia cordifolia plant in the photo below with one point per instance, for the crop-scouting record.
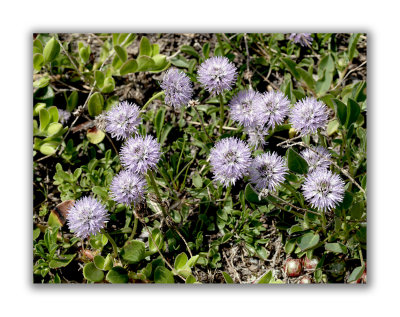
(242, 151)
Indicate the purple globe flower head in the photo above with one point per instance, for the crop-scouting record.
(128, 188)
(86, 217)
(63, 116)
(323, 189)
(267, 171)
(316, 160)
(229, 158)
(139, 154)
(246, 108)
(256, 135)
(217, 74)
(276, 107)
(304, 39)
(122, 120)
(308, 115)
(177, 87)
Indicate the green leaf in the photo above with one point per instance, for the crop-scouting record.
(197, 180)
(336, 247)
(206, 50)
(98, 242)
(228, 278)
(108, 86)
(99, 77)
(72, 101)
(51, 50)
(159, 121)
(130, 66)
(266, 278)
(193, 260)
(62, 261)
(296, 163)
(133, 251)
(53, 128)
(163, 275)
(38, 61)
(155, 49)
(36, 233)
(353, 111)
(190, 51)
(116, 63)
(95, 104)
(252, 197)
(84, 53)
(117, 275)
(145, 63)
(101, 192)
(356, 274)
(145, 47)
(95, 135)
(53, 112)
(308, 241)
(99, 262)
(44, 119)
(91, 273)
(307, 78)
(191, 279)
(160, 63)
(352, 45)
(347, 200)
(158, 241)
(180, 261)
(121, 52)
(332, 127)
(108, 262)
(341, 111)
(291, 65)
(37, 46)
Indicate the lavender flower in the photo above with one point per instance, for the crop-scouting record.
(230, 159)
(256, 135)
(304, 39)
(316, 160)
(63, 116)
(246, 108)
(323, 189)
(177, 87)
(217, 74)
(267, 171)
(139, 154)
(308, 115)
(122, 120)
(127, 188)
(276, 107)
(86, 217)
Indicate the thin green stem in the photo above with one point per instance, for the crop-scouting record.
(157, 95)
(135, 224)
(323, 218)
(112, 241)
(221, 113)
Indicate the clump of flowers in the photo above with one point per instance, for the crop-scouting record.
(276, 108)
(304, 39)
(128, 188)
(122, 120)
(316, 157)
(323, 189)
(308, 115)
(230, 159)
(246, 108)
(267, 171)
(87, 217)
(63, 116)
(217, 74)
(177, 88)
(139, 154)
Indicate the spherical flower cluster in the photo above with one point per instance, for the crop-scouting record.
(317, 157)
(308, 115)
(246, 108)
(267, 171)
(256, 135)
(63, 116)
(128, 188)
(217, 74)
(304, 39)
(139, 154)
(276, 107)
(122, 120)
(86, 217)
(177, 87)
(230, 158)
(323, 189)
